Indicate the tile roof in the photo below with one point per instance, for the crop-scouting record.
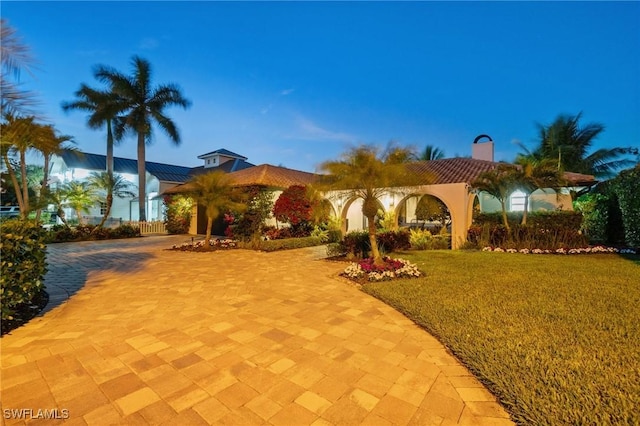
(262, 175)
(452, 170)
(164, 172)
(272, 176)
(224, 152)
(466, 170)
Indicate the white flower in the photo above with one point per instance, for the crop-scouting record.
(498, 249)
(487, 249)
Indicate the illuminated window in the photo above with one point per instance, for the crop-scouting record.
(517, 200)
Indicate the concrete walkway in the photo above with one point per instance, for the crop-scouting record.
(151, 336)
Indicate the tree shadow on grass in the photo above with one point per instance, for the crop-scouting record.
(635, 258)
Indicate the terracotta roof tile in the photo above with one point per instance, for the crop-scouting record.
(272, 176)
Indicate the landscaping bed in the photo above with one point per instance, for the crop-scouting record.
(555, 338)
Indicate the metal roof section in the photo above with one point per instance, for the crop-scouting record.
(98, 162)
(224, 152)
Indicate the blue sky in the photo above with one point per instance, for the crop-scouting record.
(296, 83)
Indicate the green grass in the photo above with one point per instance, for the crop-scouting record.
(555, 338)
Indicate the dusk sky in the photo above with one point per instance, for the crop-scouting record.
(297, 83)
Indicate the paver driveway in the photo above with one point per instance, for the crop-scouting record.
(230, 337)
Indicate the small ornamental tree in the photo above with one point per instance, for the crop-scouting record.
(177, 214)
(293, 206)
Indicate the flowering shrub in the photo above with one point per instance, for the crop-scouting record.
(390, 269)
(583, 250)
(199, 245)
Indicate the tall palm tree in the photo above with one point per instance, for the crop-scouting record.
(431, 153)
(215, 192)
(15, 57)
(569, 144)
(500, 183)
(115, 186)
(535, 174)
(364, 172)
(142, 105)
(103, 108)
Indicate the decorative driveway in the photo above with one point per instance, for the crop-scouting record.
(150, 336)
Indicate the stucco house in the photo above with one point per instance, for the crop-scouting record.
(449, 180)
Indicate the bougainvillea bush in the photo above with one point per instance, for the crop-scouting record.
(366, 270)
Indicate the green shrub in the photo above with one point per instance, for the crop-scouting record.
(61, 233)
(544, 230)
(595, 212)
(627, 187)
(284, 244)
(391, 241)
(422, 239)
(356, 243)
(23, 264)
(177, 216)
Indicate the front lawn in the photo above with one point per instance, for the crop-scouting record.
(556, 338)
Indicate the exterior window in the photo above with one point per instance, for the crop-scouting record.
(517, 201)
(103, 208)
(208, 160)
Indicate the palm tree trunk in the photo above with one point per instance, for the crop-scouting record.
(44, 190)
(25, 187)
(505, 220)
(16, 185)
(142, 180)
(375, 252)
(62, 216)
(109, 149)
(108, 209)
(526, 209)
(207, 235)
(79, 214)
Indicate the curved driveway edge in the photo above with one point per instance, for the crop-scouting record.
(152, 336)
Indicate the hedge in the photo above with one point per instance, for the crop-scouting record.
(23, 264)
(627, 188)
(283, 244)
(544, 230)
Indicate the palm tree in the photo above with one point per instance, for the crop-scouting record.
(104, 107)
(431, 153)
(141, 105)
(18, 136)
(569, 144)
(50, 144)
(15, 57)
(500, 183)
(365, 173)
(114, 185)
(79, 196)
(214, 192)
(536, 174)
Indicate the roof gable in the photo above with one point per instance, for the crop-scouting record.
(223, 152)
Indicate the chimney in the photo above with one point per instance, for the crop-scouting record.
(484, 150)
